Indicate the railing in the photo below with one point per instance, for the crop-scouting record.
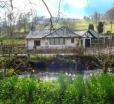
(101, 50)
(21, 49)
(47, 50)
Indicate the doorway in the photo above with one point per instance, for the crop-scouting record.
(87, 43)
(36, 43)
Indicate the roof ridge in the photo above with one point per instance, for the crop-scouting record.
(61, 28)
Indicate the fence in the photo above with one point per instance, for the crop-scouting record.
(103, 45)
(12, 49)
(102, 42)
(77, 51)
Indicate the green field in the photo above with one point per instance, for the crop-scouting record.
(83, 25)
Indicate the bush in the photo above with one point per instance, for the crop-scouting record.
(80, 90)
(1, 74)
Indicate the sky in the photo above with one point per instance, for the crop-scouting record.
(68, 8)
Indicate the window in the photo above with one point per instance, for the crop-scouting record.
(72, 40)
(37, 42)
(57, 41)
(62, 41)
(51, 41)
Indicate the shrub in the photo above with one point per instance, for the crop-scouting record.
(97, 89)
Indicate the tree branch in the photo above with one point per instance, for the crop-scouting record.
(11, 4)
(51, 27)
(59, 7)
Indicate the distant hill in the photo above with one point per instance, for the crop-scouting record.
(109, 15)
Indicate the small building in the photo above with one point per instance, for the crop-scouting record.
(88, 36)
(91, 38)
(55, 39)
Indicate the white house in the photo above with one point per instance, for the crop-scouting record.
(87, 38)
(90, 38)
(60, 38)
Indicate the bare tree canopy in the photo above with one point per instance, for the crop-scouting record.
(110, 15)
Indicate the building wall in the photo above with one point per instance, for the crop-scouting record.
(45, 43)
(30, 44)
(68, 42)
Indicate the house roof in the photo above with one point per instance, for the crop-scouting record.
(61, 32)
(90, 34)
(37, 34)
(87, 34)
(81, 33)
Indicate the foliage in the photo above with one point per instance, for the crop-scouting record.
(45, 58)
(105, 62)
(100, 27)
(80, 90)
(1, 74)
(91, 26)
(13, 41)
(10, 72)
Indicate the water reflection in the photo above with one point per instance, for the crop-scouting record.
(54, 76)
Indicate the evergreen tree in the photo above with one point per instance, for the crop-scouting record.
(91, 27)
(100, 27)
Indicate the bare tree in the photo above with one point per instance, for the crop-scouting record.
(51, 25)
(109, 16)
(96, 17)
(69, 24)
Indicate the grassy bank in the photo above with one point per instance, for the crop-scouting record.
(94, 90)
(12, 41)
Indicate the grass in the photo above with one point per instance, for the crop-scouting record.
(84, 25)
(13, 41)
(45, 58)
(108, 27)
(93, 90)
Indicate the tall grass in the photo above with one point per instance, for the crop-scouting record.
(93, 90)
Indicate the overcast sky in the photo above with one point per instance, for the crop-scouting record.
(69, 8)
